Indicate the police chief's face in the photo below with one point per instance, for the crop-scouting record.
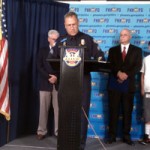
(71, 25)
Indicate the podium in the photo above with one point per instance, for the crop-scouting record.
(89, 65)
(72, 67)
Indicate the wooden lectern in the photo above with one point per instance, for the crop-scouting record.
(72, 66)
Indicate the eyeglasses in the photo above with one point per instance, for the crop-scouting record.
(53, 39)
(71, 25)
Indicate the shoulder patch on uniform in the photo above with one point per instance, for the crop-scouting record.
(95, 41)
(64, 39)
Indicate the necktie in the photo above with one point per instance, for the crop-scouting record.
(51, 51)
(124, 53)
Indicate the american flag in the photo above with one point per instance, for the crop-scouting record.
(4, 86)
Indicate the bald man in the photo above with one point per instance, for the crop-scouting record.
(126, 62)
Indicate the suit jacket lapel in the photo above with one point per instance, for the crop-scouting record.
(120, 54)
(129, 52)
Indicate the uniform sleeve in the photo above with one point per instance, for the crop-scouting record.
(96, 51)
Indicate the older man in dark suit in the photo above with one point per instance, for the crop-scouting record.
(48, 86)
(126, 61)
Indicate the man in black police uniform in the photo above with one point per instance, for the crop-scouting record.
(76, 38)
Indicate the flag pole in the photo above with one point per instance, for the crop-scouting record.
(8, 131)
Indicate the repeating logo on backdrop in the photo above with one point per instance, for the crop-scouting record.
(72, 57)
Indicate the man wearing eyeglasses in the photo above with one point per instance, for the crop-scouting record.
(74, 37)
(48, 87)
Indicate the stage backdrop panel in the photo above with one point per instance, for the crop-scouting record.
(104, 23)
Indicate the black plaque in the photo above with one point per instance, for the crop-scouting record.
(70, 97)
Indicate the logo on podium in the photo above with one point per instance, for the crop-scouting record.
(72, 57)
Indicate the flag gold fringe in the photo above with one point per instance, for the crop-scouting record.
(7, 116)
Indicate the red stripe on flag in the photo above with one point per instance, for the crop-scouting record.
(2, 71)
(2, 98)
(2, 42)
(8, 108)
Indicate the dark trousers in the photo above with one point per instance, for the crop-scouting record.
(85, 106)
(126, 100)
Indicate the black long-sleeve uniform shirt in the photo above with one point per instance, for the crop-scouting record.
(92, 50)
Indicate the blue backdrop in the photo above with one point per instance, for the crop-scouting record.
(104, 22)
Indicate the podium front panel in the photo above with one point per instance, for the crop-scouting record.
(70, 97)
